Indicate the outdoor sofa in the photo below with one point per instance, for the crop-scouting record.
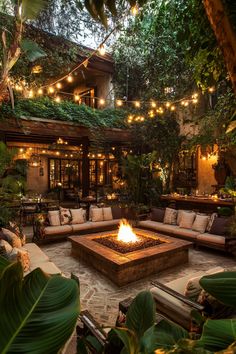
(45, 231)
(201, 229)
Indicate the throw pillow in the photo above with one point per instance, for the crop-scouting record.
(200, 223)
(97, 214)
(157, 214)
(92, 206)
(18, 231)
(220, 226)
(107, 214)
(22, 256)
(54, 217)
(65, 216)
(170, 216)
(187, 220)
(179, 215)
(77, 216)
(212, 218)
(116, 212)
(11, 237)
(213, 307)
(5, 248)
(193, 288)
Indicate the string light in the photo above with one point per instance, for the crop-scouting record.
(57, 99)
(186, 103)
(134, 10)
(59, 85)
(102, 101)
(102, 50)
(172, 108)
(137, 104)
(51, 89)
(31, 94)
(40, 91)
(119, 103)
(167, 104)
(69, 78)
(195, 100)
(77, 97)
(211, 89)
(153, 104)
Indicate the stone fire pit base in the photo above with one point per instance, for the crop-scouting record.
(125, 268)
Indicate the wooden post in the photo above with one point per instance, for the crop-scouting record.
(85, 167)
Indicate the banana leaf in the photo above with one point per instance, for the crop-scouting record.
(31, 8)
(38, 312)
(222, 286)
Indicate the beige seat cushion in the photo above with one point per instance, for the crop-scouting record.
(187, 220)
(105, 223)
(186, 233)
(80, 227)
(57, 230)
(54, 217)
(211, 238)
(170, 216)
(96, 214)
(47, 267)
(77, 216)
(36, 254)
(200, 223)
(107, 214)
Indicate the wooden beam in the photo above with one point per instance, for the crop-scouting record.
(225, 35)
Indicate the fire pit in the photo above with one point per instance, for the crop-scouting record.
(129, 255)
(126, 240)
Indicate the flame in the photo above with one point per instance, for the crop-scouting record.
(126, 233)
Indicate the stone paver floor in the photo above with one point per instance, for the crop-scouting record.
(101, 297)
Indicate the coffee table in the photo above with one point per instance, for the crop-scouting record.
(125, 268)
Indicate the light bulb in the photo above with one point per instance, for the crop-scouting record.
(167, 104)
(137, 104)
(119, 103)
(102, 50)
(211, 89)
(51, 89)
(153, 104)
(195, 100)
(172, 108)
(69, 78)
(77, 97)
(59, 85)
(40, 91)
(134, 10)
(31, 94)
(57, 99)
(102, 101)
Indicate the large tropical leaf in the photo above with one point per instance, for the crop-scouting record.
(31, 8)
(218, 334)
(164, 335)
(32, 50)
(141, 313)
(222, 286)
(38, 312)
(129, 339)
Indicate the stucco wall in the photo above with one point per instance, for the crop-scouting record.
(35, 182)
(206, 177)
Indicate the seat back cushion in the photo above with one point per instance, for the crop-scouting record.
(54, 217)
(96, 214)
(116, 212)
(65, 216)
(187, 220)
(77, 216)
(10, 237)
(200, 223)
(107, 214)
(157, 214)
(170, 216)
(212, 217)
(220, 226)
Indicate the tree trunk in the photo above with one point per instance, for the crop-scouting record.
(225, 35)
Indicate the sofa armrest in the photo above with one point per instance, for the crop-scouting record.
(178, 296)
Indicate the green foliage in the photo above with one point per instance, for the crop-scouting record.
(170, 44)
(66, 111)
(32, 50)
(138, 170)
(38, 312)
